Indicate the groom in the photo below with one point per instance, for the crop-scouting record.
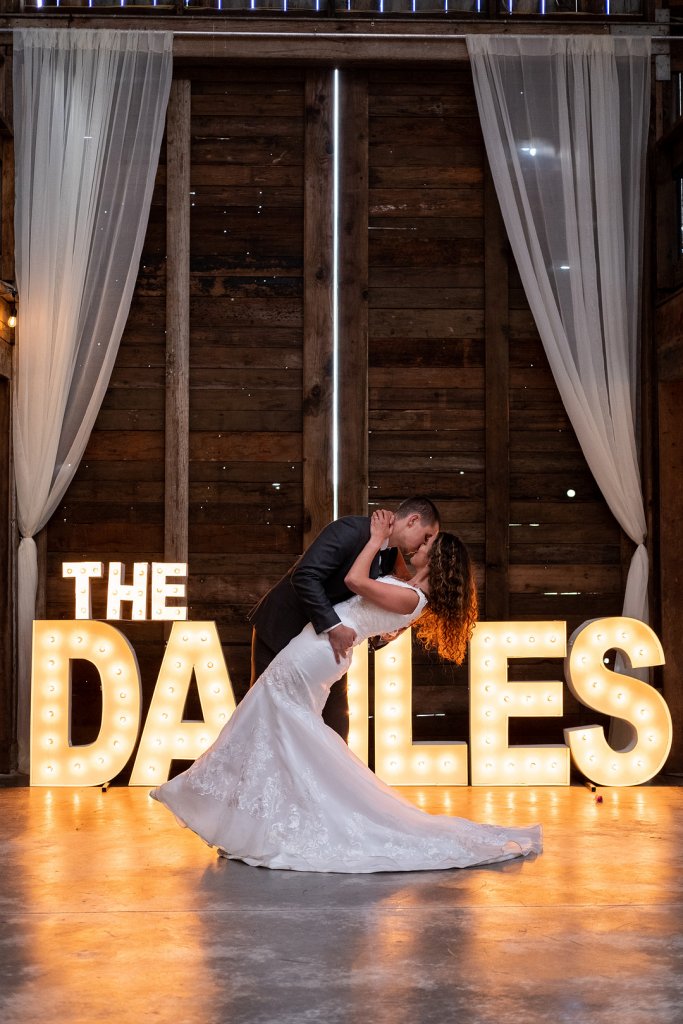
(316, 582)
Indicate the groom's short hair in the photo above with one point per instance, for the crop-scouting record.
(426, 509)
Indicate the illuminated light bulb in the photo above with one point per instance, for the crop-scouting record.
(171, 689)
(392, 686)
(51, 689)
(509, 639)
(115, 743)
(488, 639)
(222, 716)
(532, 639)
(487, 714)
(79, 639)
(49, 768)
(181, 741)
(488, 662)
(123, 719)
(185, 638)
(51, 662)
(420, 764)
(157, 742)
(119, 671)
(507, 699)
(216, 689)
(178, 664)
(393, 764)
(50, 741)
(52, 639)
(209, 664)
(100, 760)
(203, 638)
(165, 716)
(123, 695)
(447, 764)
(77, 766)
(392, 737)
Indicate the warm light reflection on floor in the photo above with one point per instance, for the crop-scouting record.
(115, 911)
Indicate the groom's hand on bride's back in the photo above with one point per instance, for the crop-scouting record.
(341, 638)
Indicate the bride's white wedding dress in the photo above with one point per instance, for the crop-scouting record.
(280, 789)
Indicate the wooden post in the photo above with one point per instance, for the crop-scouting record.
(353, 297)
(177, 459)
(318, 307)
(497, 359)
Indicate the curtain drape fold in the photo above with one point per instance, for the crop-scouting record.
(565, 125)
(89, 112)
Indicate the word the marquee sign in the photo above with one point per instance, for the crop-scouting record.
(194, 650)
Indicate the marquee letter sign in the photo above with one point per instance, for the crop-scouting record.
(194, 650)
(494, 699)
(619, 696)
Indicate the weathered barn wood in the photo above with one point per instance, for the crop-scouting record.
(436, 342)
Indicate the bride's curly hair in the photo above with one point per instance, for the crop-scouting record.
(447, 623)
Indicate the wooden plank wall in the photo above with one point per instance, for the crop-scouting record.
(454, 368)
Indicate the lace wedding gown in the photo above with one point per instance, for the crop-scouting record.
(279, 789)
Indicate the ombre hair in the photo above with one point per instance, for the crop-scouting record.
(448, 620)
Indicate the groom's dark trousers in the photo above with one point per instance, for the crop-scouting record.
(306, 593)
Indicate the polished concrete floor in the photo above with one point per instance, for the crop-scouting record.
(110, 912)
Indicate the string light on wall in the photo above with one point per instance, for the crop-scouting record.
(399, 761)
(619, 696)
(54, 761)
(494, 699)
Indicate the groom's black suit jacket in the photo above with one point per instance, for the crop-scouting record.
(315, 582)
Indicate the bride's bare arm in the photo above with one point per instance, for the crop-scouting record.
(386, 595)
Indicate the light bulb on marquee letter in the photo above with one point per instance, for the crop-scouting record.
(357, 688)
(192, 647)
(620, 696)
(494, 699)
(54, 761)
(399, 761)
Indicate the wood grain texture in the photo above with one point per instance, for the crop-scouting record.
(318, 304)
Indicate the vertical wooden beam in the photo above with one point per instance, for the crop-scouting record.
(497, 370)
(671, 550)
(6, 545)
(318, 303)
(177, 447)
(7, 240)
(353, 296)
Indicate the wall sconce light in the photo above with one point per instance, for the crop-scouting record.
(10, 292)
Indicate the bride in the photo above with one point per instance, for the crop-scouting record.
(279, 789)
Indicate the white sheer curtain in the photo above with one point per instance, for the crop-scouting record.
(89, 111)
(565, 123)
